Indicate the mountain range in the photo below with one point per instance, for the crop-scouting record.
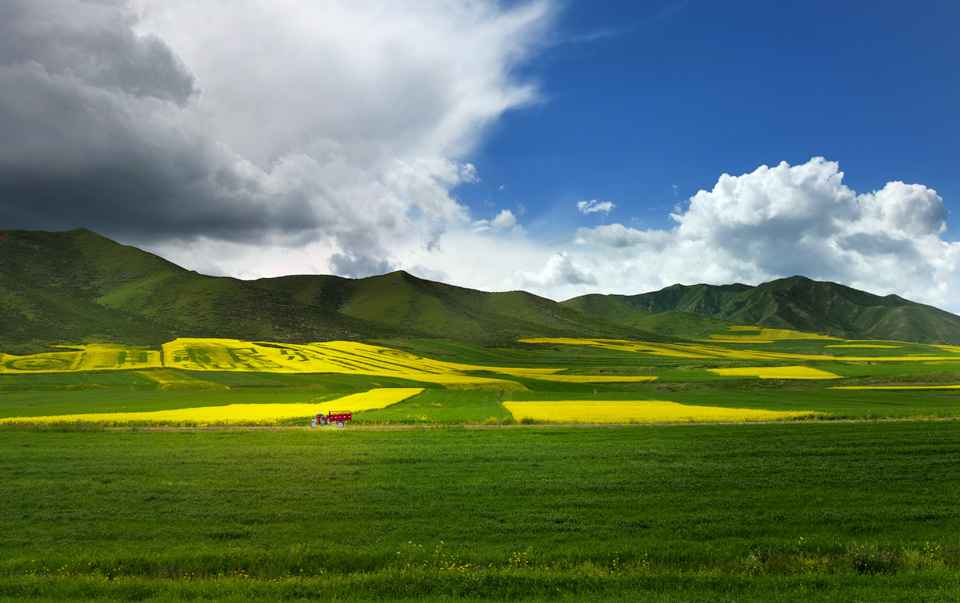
(79, 287)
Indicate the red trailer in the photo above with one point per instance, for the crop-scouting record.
(336, 416)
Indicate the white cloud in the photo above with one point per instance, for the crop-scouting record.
(787, 220)
(269, 124)
(559, 272)
(505, 220)
(590, 207)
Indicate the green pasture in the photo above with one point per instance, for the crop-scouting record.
(786, 512)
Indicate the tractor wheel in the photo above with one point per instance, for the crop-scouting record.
(313, 424)
(339, 423)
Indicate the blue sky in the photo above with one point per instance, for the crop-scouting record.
(562, 147)
(645, 103)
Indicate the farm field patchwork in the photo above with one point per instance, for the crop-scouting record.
(803, 509)
(615, 374)
(789, 349)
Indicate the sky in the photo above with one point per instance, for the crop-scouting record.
(561, 147)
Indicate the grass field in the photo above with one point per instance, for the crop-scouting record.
(489, 504)
(796, 512)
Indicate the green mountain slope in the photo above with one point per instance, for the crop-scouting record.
(616, 308)
(802, 304)
(405, 301)
(76, 286)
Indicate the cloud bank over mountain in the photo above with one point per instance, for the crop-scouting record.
(788, 220)
(259, 139)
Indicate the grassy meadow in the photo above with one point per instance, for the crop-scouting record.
(804, 511)
(848, 494)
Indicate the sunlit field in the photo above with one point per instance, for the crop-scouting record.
(641, 411)
(816, 511)
(724, 470)
(775, 372)
(234, 414)
(230, 382)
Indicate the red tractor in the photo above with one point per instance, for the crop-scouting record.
(336, 416)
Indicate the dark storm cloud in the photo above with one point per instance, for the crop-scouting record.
(94, 43)
(99, 131)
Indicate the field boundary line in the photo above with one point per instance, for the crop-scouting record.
(522, 426)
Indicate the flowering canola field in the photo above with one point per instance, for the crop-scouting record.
(703, 351)
(775, 372)
(708, 351)
(338, 357)
(76, 358)
(765, 335)
(641, 411)
(236, 414)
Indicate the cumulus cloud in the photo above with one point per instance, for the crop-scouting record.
(590, 207)
(786, 220)
(505, 220)
(187, 125)
(559, 272)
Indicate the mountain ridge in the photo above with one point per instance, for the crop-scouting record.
(802, 304)
(76, 286)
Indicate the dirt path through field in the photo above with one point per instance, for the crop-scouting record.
(517, 426)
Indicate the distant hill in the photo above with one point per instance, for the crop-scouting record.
(795, 303)
(615, 308)
(78, 287)
(405, 301)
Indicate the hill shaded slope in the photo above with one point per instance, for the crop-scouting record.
(402, 300)
(77, 286)
(616, 308)
(801, 304)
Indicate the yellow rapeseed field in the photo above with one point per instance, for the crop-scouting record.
(343, 357)
(234, 414)
(91, 357)
(640, 411)
(764, 336)
(676, 350)
(864, 345)
(596, 378)
(775, 372)
(712, 350)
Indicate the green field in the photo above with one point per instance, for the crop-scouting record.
(459, 499)
(799, 512)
